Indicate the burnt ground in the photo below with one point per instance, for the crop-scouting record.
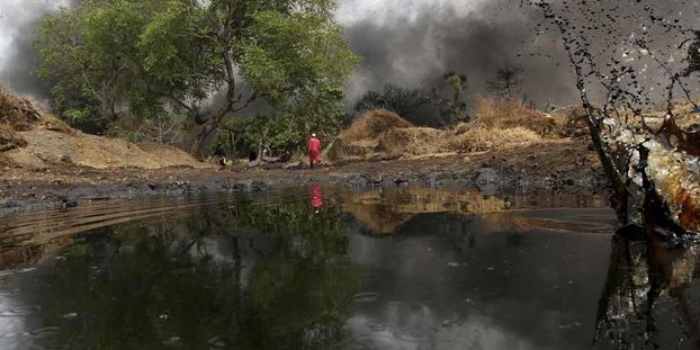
(563, 166)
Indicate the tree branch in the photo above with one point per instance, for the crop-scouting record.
(250, 100)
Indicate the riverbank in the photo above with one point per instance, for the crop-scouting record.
(557, 166)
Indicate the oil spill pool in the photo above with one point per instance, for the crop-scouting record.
(323, 269)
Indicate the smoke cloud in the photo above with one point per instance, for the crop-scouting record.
(412, 43)
(415, 45)
(18, 59)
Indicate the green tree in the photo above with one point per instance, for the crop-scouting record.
(431, 108)
(402, 101)
(154, 57)
(454, 107)
(241, 275)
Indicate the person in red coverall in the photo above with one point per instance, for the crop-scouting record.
(314, 147)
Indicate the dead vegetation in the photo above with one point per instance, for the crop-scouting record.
(361, 140)
(32, 139)
(17, 113)
(372, 124)
(499, 124)
(481, 139)
(507, 113)
(9, 139)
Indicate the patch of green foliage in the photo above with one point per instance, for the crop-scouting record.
(152, 58)
(419, 107)
(402, 101)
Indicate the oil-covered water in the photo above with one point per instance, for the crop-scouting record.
(323, 269)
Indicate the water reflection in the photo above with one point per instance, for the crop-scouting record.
(316, 196)
(243, 276)
(447, 281)
(322, 269)
(650, 298)
(385, 211)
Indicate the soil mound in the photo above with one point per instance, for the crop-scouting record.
(32, 139)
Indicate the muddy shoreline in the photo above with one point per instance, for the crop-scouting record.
(569, 169)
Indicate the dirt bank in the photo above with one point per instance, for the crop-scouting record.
(565, 165)
(36, 140)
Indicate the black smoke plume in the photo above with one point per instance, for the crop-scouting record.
(416, 52)
(497, 34)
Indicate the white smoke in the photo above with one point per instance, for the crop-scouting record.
(17, 25)
(381, 11)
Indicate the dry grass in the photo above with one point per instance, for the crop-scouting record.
(9, 139)
(371, 124)
(361, 140)
(50, 122)
(382, 135)
(97, 152)
(32, 139)
(500, 113)
(480, 138)
(411, 142)
(17, 112)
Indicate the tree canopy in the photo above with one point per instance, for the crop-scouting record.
(207, 60)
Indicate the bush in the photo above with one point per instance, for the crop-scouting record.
(404, 102)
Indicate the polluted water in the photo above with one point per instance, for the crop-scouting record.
(326, 268)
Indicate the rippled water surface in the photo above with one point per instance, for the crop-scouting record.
(322, 269)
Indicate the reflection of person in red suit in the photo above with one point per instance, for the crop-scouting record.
(316, 196)
(314, 147)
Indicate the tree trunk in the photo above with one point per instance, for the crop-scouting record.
(200, 143)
